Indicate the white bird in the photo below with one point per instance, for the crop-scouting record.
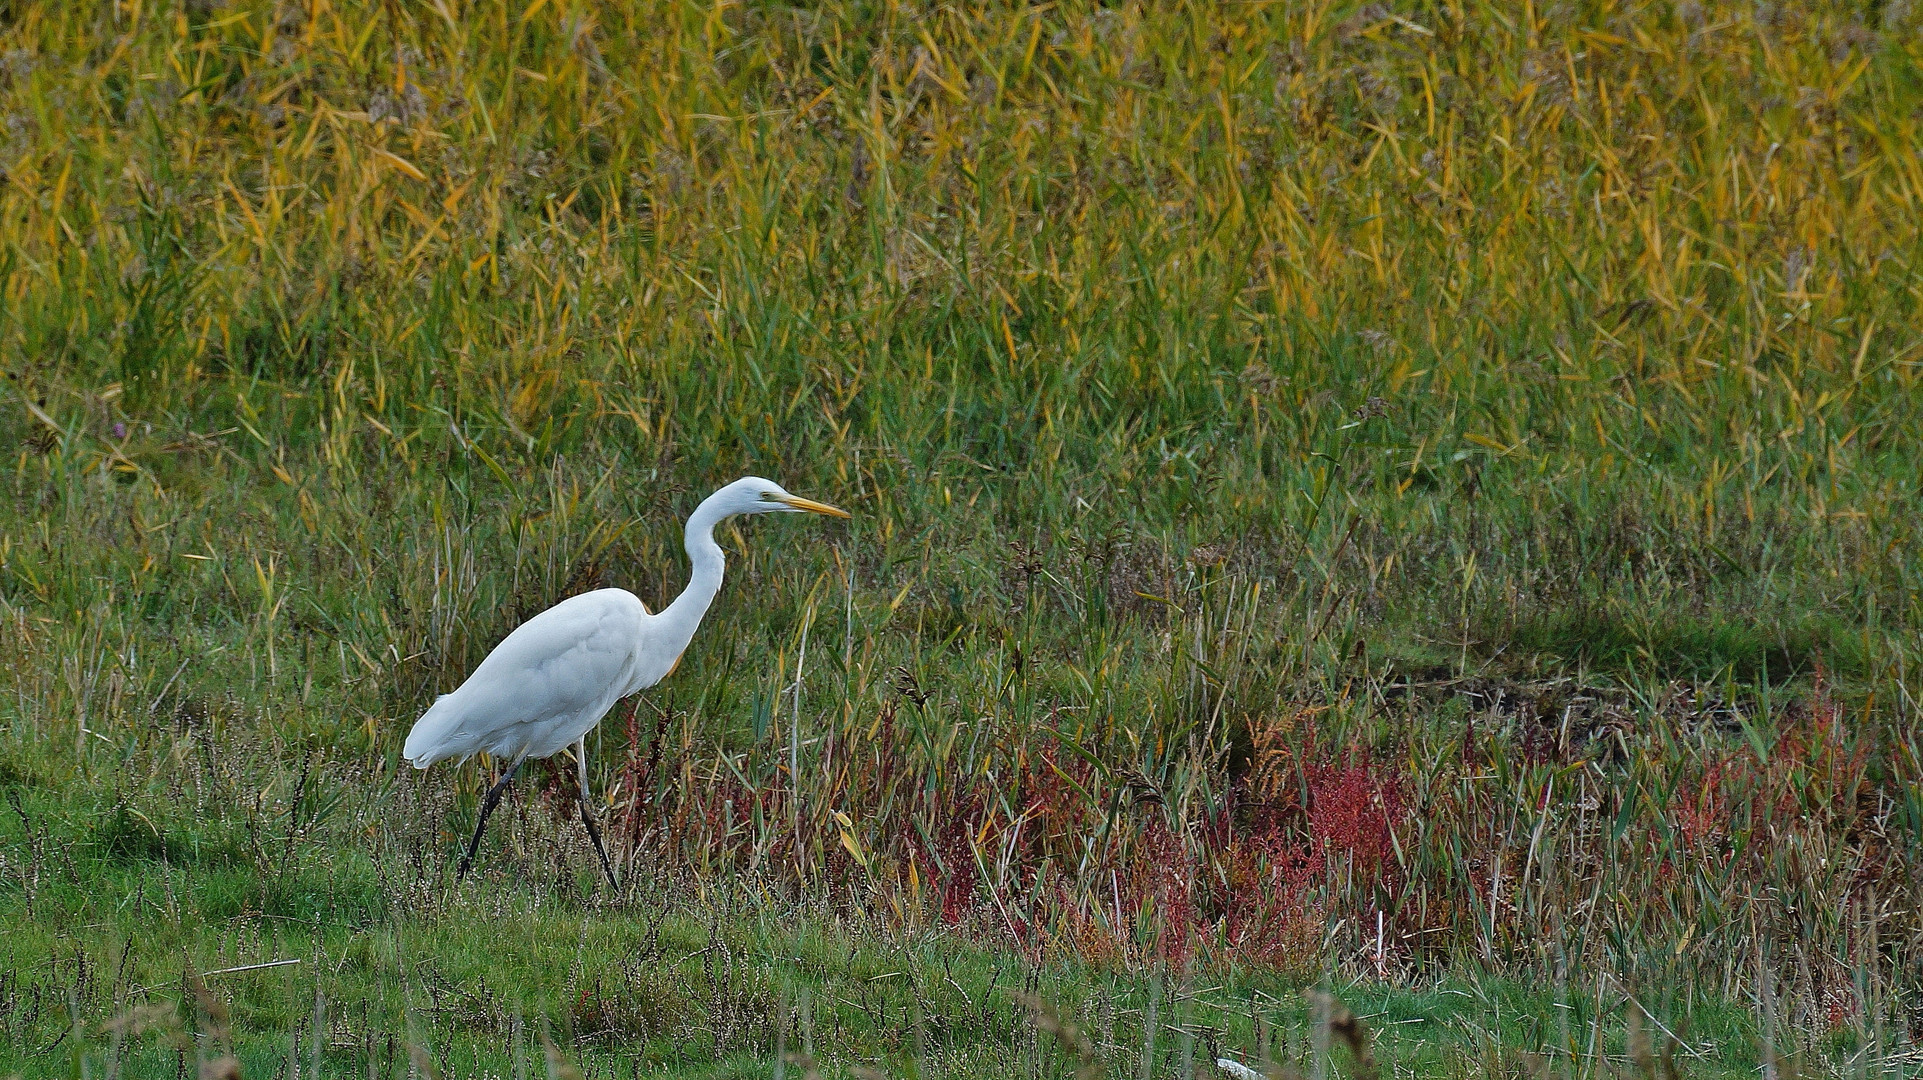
(547, 684)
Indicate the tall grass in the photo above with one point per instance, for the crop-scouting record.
(1397, 490)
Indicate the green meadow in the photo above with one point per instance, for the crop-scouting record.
(1385, 536)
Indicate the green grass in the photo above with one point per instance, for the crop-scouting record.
(1316, 467)
(713, 984)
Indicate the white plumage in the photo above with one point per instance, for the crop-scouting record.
(547, 684)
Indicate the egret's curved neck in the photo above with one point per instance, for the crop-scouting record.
(684, 615)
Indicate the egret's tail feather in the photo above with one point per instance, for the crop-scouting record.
(433, 736)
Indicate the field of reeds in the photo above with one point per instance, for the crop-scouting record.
(1385, 542)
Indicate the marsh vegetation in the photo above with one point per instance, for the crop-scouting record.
(1416, 501)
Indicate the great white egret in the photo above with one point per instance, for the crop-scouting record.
(550, 681)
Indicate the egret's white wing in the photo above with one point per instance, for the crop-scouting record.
(542, 687)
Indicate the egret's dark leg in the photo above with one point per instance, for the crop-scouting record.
(488, 803)
(587, 816)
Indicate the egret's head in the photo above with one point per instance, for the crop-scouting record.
(753, 495)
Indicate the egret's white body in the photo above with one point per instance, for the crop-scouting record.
(550, 681)
(547, 684)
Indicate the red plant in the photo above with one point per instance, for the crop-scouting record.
(1353, 809)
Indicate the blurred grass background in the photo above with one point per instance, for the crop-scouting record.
(1402, 493)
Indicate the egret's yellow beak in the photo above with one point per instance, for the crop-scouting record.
(813, 507)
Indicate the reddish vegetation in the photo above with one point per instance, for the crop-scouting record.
(1315, 846)
(1061, 855)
